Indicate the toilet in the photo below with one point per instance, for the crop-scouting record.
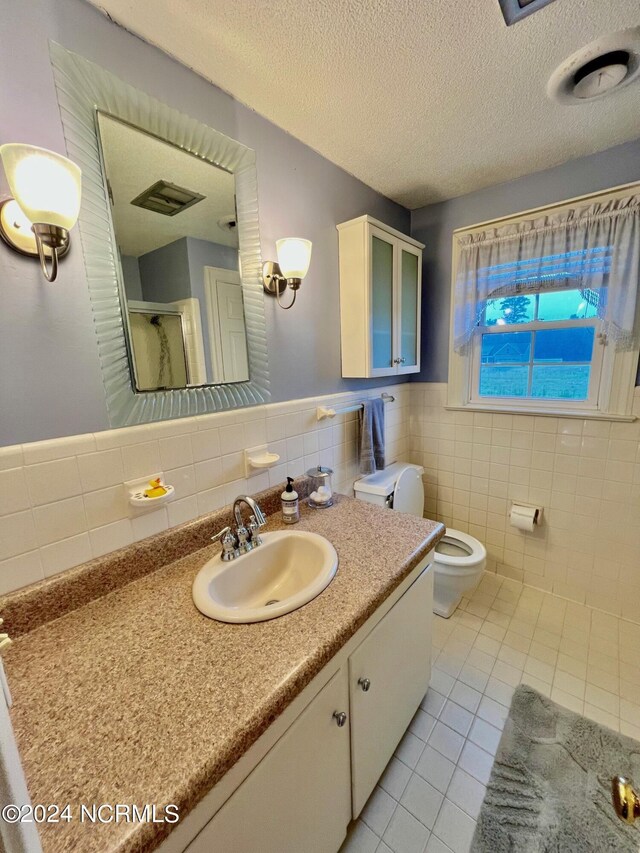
(459, 562)
(459, 559)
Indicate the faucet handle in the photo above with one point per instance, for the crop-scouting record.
(258, 516)
(229, 549)
(221, 534)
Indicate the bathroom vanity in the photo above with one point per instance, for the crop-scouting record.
(263, 735)
(320, 772)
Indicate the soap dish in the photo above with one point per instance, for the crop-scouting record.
(265, 460)
(140, 501)
(136, 492)
(260, 458)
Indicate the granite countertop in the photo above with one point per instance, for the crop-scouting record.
(136, 697)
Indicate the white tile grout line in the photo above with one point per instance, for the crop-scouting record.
(429, 796)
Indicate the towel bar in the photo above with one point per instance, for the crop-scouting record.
(323, 412)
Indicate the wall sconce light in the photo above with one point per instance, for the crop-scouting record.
(46, 202)
(294, 255)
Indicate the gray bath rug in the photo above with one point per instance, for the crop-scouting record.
(550, 787)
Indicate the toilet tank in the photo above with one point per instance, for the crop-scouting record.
(398, 486)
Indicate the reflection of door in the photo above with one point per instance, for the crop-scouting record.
(227, 333)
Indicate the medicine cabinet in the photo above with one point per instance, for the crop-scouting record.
(380, 297)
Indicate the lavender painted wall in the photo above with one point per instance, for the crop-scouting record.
(164, 273)
(50, 380)
(131, 276)
(434, 225)
(203, 253)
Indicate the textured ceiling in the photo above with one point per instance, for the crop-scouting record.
(421, 99)
(135, 161)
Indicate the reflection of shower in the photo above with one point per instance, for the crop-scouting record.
(164, 362)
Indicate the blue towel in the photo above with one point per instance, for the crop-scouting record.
(372, 436)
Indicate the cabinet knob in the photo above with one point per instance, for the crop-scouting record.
(365, 684)
(340, 717)
(402, 360)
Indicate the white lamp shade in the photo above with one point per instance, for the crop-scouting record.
(45, 184)
(294, 256)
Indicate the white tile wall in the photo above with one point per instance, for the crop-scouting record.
(585, 473)
(63, 501)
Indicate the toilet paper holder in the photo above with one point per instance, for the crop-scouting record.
(525, 516)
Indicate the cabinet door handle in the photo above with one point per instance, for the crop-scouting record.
(402, 360)
(625, 799)
(365, 684)
(340, 717)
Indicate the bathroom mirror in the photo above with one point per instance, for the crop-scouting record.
(174, 218)
(170, 233)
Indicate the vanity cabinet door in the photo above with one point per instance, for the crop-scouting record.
(297, 798)
(388, 677)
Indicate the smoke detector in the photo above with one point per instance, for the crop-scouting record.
(228, 223)
(605, 65)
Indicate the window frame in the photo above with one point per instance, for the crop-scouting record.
(616, 369)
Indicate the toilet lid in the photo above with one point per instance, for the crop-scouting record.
(408, 495)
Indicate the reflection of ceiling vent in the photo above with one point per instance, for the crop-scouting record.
(516, 10)
(167, 198)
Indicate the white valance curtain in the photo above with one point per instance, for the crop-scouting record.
(593, 247)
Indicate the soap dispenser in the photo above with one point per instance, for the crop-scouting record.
(290, 505)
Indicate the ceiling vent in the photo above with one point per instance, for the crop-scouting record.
(596, 70)
(167, 198)
(515, 10)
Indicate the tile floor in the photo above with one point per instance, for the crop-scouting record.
(429, 797)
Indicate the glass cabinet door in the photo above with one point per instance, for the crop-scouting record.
(382, 314)
(409, 309)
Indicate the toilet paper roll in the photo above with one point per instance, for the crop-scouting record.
(523, 517)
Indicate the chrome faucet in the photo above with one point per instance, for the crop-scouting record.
(258, 515)
(245, 538)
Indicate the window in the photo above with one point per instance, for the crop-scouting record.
(544, 310)
(554, 355)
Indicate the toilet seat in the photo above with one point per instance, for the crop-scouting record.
(454, 563)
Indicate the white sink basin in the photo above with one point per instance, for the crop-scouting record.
(285, 572)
